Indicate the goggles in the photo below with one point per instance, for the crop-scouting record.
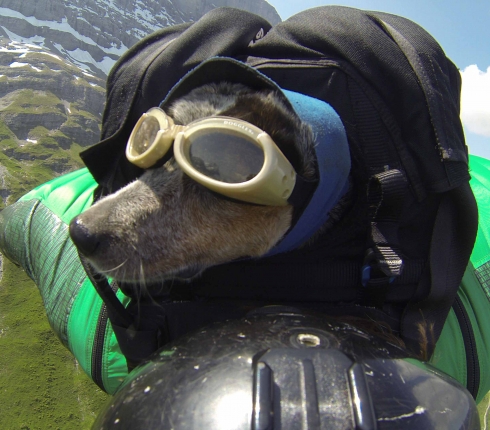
(229, 156)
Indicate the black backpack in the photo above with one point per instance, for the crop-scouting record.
(399, 253)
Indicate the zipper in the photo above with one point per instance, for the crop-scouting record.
(99, 341)
(472, 364)
(107, 293)
(98, 347)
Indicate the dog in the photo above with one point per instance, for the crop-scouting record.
(164, 225)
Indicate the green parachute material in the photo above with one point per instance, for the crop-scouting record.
(474, 292)
(34, 234)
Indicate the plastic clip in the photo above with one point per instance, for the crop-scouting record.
(367, 266)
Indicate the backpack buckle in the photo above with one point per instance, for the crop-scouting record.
(367, 269)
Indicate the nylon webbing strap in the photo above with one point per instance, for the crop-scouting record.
(136, 340)
(371, 130)
(327, 280)
(115, 309)
(386, 191)
(386, 196)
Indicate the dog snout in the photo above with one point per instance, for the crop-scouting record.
(86, 241)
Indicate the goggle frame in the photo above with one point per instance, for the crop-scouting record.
(271, 186)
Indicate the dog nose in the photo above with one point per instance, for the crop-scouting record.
(86, 242)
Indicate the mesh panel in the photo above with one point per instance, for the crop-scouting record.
(483, 275)
(14, 223)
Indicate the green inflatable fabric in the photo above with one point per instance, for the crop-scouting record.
(474, 293)
(34, 234)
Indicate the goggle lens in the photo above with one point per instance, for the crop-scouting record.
(225, 157)
(145, 135)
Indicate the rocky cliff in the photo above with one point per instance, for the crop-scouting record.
(49, 110)
(195, 8)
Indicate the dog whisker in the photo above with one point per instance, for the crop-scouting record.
(108, 271)
(142, 278)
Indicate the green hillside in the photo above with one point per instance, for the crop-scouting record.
(42, 386)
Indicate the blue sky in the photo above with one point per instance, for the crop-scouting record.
(463, 30)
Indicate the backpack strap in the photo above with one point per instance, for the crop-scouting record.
(137, 337)
(386, 191)
(383, 263)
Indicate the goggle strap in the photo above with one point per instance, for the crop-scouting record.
(161, 161)
(302, 192)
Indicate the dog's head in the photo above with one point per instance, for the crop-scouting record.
(165, 225)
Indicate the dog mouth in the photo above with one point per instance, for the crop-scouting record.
(123, 273)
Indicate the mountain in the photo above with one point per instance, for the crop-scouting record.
(94, 33)
(49, 110)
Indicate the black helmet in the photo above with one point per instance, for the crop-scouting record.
(283, 369)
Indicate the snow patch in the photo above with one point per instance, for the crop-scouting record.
(16, 64)
(52, 55)
(35, 42)
(31, 140)
(20, 45)
(82, 58)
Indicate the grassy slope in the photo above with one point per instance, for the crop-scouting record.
(41, 386)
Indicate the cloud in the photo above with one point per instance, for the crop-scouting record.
(475, 100)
